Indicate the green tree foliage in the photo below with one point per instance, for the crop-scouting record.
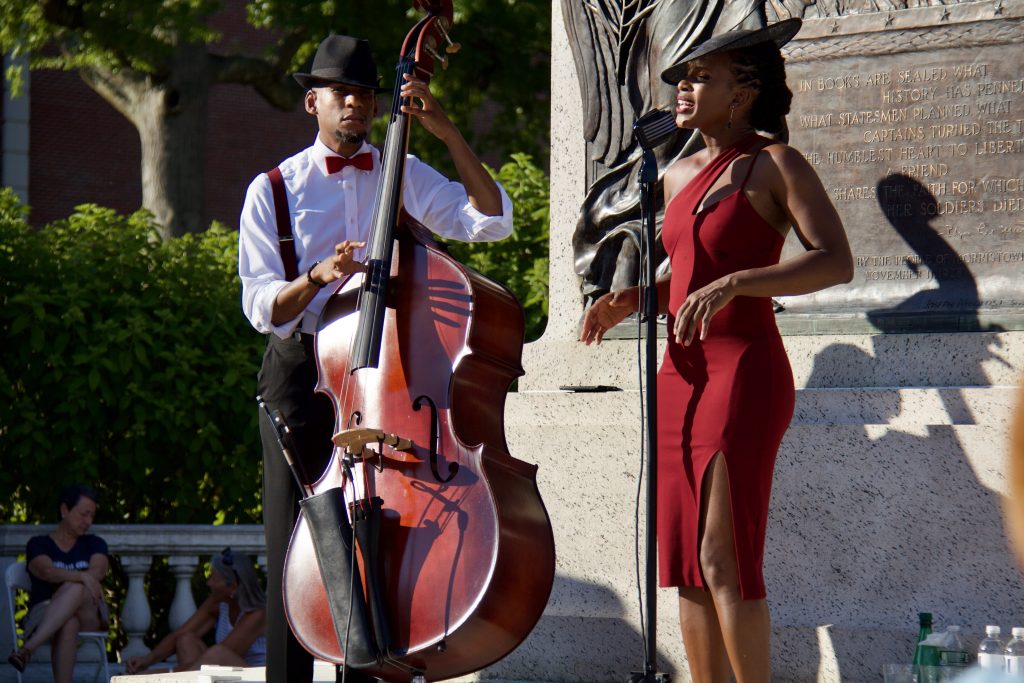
(495, 87)
(155, 61)
(128, 365)
(521, 260)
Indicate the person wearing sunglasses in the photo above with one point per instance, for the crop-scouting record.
(236, 612)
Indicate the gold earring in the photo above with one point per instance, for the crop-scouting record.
(732, 110)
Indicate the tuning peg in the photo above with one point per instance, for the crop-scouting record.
(441, 59)
(451, 48)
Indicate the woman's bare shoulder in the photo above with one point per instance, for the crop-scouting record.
(682, 171)
(784, 159)
(688, 165)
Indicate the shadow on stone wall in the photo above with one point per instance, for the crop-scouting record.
(590, 641)
(873, 521)
(872, 525)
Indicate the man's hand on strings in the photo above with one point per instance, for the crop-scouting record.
(429, 111)
(339, 265)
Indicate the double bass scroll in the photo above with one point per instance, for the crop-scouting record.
(419, 56)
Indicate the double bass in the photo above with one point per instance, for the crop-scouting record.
(456, 557)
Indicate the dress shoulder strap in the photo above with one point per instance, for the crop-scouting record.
(707, 176)
(285, 238)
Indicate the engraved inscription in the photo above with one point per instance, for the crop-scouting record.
(923, 156)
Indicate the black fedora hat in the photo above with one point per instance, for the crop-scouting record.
(779, 33)
(342, 59)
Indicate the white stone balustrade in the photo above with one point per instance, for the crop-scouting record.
(135, 611)
(183, 567)
(134, 546)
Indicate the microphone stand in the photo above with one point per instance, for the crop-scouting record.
(650, 130)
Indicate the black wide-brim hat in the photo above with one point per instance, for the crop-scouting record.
(779, 33)
(342, 59)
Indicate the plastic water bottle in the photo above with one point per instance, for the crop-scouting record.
(954, 653)
(990, 650)
(1015, 653)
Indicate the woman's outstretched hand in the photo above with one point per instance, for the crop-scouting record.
(607, 312)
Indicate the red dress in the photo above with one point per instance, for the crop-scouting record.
(731, 393)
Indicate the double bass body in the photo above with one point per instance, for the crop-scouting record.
(466, 552)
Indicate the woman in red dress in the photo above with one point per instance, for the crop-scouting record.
(725, 389)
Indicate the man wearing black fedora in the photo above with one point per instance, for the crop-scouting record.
(304, 225)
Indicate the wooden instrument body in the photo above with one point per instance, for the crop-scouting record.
(466, 548)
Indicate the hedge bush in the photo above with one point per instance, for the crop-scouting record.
(127, 364)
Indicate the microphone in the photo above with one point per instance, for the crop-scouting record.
(283, 434)
(654, 128)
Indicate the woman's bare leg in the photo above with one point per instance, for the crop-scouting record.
(68, 600)
(71, 610)
(745, 624)
(220, 655)
(63, 649)
(189, 648)
(702, 637)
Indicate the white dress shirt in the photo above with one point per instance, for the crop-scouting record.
(328, 209)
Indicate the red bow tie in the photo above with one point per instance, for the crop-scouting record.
(364, 162)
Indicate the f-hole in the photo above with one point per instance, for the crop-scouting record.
(435, 438)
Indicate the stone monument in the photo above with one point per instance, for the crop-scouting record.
(913, 118)
(887, 490)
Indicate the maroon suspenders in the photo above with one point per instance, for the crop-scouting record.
(285, 238)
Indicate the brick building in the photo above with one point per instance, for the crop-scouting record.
(63, 145)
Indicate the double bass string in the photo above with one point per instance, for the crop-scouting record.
(352, 582)
(378, 257)
(345, 405)
(345, 412)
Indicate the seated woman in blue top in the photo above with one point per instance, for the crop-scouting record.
(235, 608)
(66, 567)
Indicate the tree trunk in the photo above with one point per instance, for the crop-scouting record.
(170, 115)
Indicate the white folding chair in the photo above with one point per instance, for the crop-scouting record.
(16, 578)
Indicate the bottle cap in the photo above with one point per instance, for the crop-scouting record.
(1018, 632)
(991, 630)
(925, 618)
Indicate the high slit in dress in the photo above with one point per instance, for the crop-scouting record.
(732, 392)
